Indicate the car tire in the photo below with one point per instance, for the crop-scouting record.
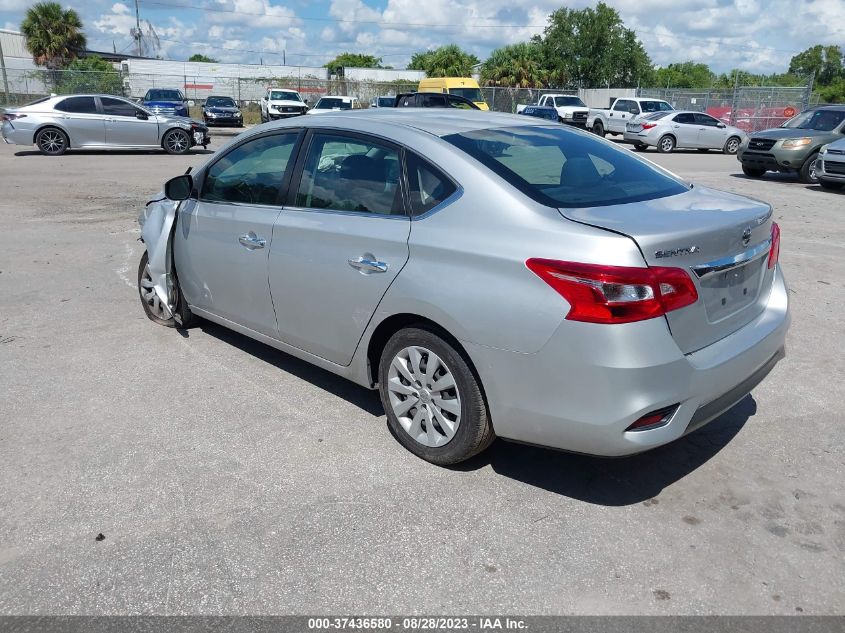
(807, 173)
(51, 141)
(830, 184)
(151, 303)
(640, 147)
(453, 432)
(732, 145)
(598, 129)
(176, 141)
(753, 172)
(666, 144)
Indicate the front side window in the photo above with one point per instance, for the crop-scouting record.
(455, 102)
(705, 119)
(78, 105)
(427, 185)
(431, 100)
(562, 168)
(118, 107)
(623, 105)
(350, 174)
(251, 173)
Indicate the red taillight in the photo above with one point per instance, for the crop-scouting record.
(616, 294)
(653, 419)
(774, 252)
(11, 117)
(648, 126)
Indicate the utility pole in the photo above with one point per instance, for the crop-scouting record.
(138, 27)
(5, 79)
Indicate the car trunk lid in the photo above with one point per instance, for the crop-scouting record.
(722, 240)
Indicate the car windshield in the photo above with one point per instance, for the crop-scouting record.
(284, 95)
(473, 94)
(822, 120)
(220, 102)
(328, 103)
(564, 168)
(569, 101)
(655, 106)
(163, 95)
(386, 102)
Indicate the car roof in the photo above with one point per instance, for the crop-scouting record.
(436, 121)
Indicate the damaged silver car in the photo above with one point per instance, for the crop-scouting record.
(491, 275)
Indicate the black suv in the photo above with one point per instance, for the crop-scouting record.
(433, 100)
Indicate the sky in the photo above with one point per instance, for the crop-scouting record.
(755, 35)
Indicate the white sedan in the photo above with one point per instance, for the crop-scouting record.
(683, 129)
(328, 104)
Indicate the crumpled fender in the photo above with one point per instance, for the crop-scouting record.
(158, 223)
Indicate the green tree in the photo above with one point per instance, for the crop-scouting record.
(824, 61)
(354, 60)
(684, 75)
(592, 48)
(89, 74)
(53, 35)
(199, 57)
(516, 66)
(447, 61)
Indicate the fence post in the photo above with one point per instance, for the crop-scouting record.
(492, 101)
(808, 93)
(734, 99)
(5, 79)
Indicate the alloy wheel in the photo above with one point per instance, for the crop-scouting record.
(51, 141)
(667, 144)
(733, 146)
(177, 143)
(150, 296)
(424, 396)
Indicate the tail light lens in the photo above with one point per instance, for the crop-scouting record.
(648, 126)
(774, 252)
(11, 117)
(654, 419)
(616, 294)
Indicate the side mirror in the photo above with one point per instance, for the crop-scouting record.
(141, 115)
(721, 125)
(179, 188)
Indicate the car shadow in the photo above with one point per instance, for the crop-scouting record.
(365, 399)
(614, 481)
(772, 176)
(116, 152)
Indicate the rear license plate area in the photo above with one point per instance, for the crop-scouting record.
(730, 291)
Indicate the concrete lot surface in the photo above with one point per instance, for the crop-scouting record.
(230, 478)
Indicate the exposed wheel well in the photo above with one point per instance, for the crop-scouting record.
(393, 324)
(54, 127)
(168, 131)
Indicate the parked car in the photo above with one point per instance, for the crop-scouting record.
(521, 280)
(166, 101)
(683, 129)
(329, 104)
(281, 103)
(793, 147)
(57, 124)
(570, 109)
(541, 112)
(613, 120)
(222, 111)
(433, 100)
(830, 165)
(383, 102)
(465, 87)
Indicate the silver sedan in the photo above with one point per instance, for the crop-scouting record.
(683, 129)
(491, 275)
(57, 124)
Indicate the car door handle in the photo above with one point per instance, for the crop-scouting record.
(252, 241)
(368, 265)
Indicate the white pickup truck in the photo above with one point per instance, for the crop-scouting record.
(281, 103)
(570, 109)
(613, 120)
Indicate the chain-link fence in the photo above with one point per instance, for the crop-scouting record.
(748, 108)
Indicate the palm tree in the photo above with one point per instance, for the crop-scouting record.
(53, 35)
(515, 66)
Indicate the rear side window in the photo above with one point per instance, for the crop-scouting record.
(251, 173)
(350, 174)
(655, 106)
(430, 100)
(78, 105)
(685, 117)
(455, 102)
(564, 168)
(427, 185)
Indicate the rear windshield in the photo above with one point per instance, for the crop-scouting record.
(328, 104)
(559, 167)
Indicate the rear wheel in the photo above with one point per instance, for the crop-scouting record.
(830, 184)
(807, 174)
(151, 303)
(51, 141)
(598, 128)
(432, 398)
(176, 141)
(753, 172)
(666, 144)
(732, 146)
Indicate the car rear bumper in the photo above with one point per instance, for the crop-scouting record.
(638, 138)
(590, 382)
(16, 136)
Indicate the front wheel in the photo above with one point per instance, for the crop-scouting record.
(433, 400)
(830, 184)
(598, 128)
(808, 174)
(753, 172)
(176, 141)
(51, 141)
(151, 302)
(666, 144)
(732, 146)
